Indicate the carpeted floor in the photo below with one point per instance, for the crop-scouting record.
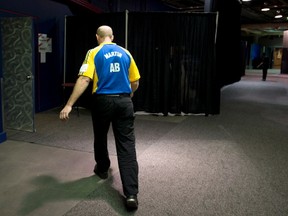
(234, 163)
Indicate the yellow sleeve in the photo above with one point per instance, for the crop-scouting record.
(134, 74)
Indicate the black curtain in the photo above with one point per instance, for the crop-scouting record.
(175, 53)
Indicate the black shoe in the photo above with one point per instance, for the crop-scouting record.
(131, 202)
(102, 175)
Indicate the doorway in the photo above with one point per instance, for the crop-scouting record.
(18, 73)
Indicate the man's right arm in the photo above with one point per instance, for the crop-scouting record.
(80, 86)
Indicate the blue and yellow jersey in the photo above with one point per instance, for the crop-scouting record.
(111, 67)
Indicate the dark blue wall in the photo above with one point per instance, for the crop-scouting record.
(3, 136)
(49, 18)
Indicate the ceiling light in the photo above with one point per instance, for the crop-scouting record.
(278, 16)
(265, 9)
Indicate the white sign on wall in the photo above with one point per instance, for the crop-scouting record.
(44, 46)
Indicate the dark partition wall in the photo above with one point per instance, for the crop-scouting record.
(175, 54)
(229, 46)
(284, 64)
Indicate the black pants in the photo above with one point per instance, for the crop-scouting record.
(119, 111)
(264, 73)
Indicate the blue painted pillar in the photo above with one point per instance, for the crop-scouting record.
(3, 136)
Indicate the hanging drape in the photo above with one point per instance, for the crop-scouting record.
(175, 53)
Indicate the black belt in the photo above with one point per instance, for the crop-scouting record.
(113, 95)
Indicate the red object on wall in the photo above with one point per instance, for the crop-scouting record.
(87, 5)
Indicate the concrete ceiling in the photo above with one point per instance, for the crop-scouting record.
(253, 20)
(264, 23)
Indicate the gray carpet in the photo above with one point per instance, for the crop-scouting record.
(234, 163)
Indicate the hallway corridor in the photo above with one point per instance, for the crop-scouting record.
(234, 163)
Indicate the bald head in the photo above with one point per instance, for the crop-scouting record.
(104, 33)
